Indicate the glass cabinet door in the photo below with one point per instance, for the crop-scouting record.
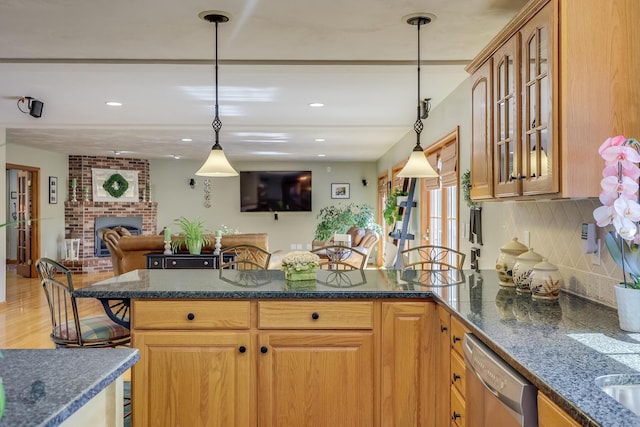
(538, 157)
(506, 110)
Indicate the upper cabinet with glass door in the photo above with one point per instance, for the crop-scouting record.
(574, 82)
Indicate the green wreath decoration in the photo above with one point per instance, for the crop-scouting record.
(116, 185)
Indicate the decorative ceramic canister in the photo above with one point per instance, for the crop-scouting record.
(522, 270)
(546, 281)
(507, 259)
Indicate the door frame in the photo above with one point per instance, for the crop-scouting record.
(35, 211)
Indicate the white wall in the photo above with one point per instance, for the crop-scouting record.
(51, 215)
(170, 188)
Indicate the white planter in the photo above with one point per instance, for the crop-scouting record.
(628, 300)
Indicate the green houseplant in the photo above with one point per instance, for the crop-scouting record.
(390, 212)
(339, 218)
(194, 235)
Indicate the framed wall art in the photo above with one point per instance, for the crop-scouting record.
(340, 191)
(53, 190)
(111, 185)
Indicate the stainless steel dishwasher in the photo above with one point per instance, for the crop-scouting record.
(496, 395)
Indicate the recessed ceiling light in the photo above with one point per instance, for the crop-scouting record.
(316, 104)
(319, 139)
(322, 155)
(186, 140)
(114, 103)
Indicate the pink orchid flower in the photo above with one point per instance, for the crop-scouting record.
(624, 155)
(626, 229)
(607, 197)
(604, 215)
(612, 170)
(614, 141)
(627, 209)
(627, 187)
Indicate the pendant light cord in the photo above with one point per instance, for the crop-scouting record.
(217, 124)
(418, 126)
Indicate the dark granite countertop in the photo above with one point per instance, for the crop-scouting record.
(45, 387)
(561, 346)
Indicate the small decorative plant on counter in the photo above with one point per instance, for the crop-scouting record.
(620, 208)
(194, 235)
(300, 265)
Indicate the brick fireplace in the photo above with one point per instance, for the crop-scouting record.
(80, 216)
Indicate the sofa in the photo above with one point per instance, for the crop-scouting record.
(362, 239)
(128, 252)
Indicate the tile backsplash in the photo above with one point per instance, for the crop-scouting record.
(555, 229)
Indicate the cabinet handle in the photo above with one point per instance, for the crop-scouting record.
(242, 349)
(443, 328)
(315, 316)
(191, 316)
(456, 339)
(263, 349)
(456, 377)
(455, 416)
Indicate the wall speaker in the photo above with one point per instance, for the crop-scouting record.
(35, 107)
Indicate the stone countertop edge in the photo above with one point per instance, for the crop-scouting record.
(21, 369)
(547, 354)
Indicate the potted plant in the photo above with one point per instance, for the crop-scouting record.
(390, 212)
(620, 208)
(194, 235)
(339, 218)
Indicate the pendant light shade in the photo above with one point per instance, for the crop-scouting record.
(418, 166)
(216, 164)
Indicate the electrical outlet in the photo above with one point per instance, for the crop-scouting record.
(292, 246)
(299, 246)
(595, 257)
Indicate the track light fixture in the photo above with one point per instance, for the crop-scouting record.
(34, 106)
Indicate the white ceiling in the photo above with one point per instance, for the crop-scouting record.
(358, 57)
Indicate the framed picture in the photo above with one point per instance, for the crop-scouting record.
(53, 189)
(340, 191)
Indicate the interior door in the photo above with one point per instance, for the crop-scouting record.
(24, 224)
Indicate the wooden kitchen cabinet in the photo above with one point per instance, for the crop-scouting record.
(482, 132)
(407, 383)
(275, 363)
(572, 91)
(551, 415)
(450, 370)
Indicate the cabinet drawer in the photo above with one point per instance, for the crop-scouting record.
(190, 314)
(190, 262)
(457, 409)
(315, 315)
(457, 373)
(457, 333)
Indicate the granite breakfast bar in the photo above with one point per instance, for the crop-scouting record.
(561, 347)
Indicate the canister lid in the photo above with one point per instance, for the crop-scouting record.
(545, 265)
(514, 247)
(529, 256)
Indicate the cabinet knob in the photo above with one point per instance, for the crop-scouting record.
(455, 416)
(155, 263)
(315, 316)
(173, 263)
(456, 339)
(263, 349)
(456, 377)
(191, 316)
(206, 263)
(443, 328)
(242, 349)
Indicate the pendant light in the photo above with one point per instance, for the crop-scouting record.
(418, 166)
(216, 164)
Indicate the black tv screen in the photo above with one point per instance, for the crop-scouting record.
(271, 191)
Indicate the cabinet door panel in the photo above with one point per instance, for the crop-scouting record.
(443, 367)
(408, 377)
(315, 379)
(191, 379)
(482, 133)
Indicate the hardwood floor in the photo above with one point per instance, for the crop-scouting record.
(24, 317)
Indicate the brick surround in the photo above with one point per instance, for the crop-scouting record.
(80, 216)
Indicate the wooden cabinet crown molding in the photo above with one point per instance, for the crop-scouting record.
(526, 13)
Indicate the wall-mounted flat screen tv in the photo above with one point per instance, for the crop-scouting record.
(271, 191)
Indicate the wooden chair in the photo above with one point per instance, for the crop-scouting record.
(245, 257)
(68, 329)
(431, 257)
(337, 257)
